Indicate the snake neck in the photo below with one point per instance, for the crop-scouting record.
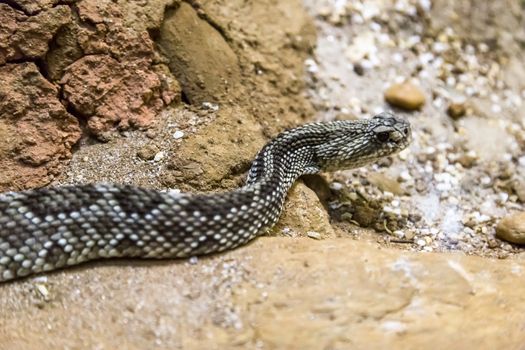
(281, 162)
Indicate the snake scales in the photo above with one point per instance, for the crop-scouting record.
(49, 228)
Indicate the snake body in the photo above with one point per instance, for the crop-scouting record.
(49, 228)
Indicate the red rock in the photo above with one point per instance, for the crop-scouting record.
(23, 37)
(111, 93)
(36, 132)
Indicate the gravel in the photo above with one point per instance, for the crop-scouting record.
(459, 176)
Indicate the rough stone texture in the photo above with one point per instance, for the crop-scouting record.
(116, 85)
(33, 7)
(303, 213)
(36, 132)
(26, 37)
(200, 58)
(406, 96)
(218, 153)
(512, 228)
(104, 68)
(278, 293)
(271, 41)
(110, 93)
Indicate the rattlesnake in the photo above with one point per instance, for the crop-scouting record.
(49, 228)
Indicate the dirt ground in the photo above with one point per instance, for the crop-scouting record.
(182, 94)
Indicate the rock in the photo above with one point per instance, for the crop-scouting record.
(406, 96)
(386, 183)
(365, 214)
(110, 93)
(276, 293)
(148, 152)
(468, 159)
(214, 154)
(512, 228)
(314, 235)
(200, 58)
(36, 132)
(25, 37)
(518, 185)
(303, 213)
(456, 110)
(118, 84)
(34, 6)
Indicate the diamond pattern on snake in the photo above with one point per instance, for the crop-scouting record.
(50, 228)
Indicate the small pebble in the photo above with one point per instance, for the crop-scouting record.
(512, 228)
(314, 235)
(159, 156)
(406, 96)
(42, 290)
(178, 135)
(148, 152)
(210, 106)
(456, 110)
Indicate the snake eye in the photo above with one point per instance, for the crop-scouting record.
(383, 136)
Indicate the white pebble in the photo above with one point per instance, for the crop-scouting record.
(178, 135)
(314, 235)
(159, 156)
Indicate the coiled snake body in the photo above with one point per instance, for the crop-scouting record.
(49, 228)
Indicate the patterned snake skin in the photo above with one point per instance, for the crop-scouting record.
(49, 228)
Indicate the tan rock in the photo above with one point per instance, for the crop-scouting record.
(201, 59)
(386, 183)
(406, 95)
(148, 152)
(518, 185)
(303, 213)
(512, 228)
(277, 293)
(227, 145)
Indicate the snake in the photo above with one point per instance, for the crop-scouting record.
(50, 228)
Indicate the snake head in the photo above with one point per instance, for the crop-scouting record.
(392, 134)
(356, 143)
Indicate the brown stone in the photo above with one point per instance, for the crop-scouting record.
(456, 110)
(111, 93)
(406, 96)
(512, 228)
(148, 152)
(200, 58)
(34, 6)
(303, 212)
(27, 37)
(386, 183)
(36, 132)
